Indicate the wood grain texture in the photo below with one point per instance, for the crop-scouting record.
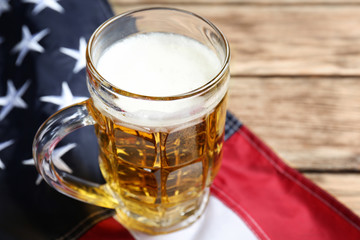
(286, 40)
(312, 123)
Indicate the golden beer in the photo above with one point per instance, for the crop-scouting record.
(159, 178)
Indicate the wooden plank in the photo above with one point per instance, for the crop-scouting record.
(312, 123)
(343, 187)
(285, 40)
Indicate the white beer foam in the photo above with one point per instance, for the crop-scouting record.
(159, 64)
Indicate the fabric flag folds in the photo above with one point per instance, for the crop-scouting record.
(42, 69)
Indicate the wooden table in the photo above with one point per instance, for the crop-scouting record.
(295, 80)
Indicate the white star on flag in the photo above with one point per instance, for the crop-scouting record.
(42, 4)
(66, 98)
(4, 145)
(13, 98)
(4, 6)
(29, 43)
(56, 157)
(78, 55)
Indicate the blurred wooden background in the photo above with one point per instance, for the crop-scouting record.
(295, 80)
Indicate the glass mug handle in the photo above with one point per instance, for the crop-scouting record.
(48, 136)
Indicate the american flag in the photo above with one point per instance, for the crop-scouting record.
(42, 69)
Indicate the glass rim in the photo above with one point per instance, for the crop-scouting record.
(109, 86)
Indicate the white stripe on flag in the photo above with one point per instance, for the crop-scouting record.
(217, 222)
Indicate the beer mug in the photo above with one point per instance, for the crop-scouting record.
(160, 128)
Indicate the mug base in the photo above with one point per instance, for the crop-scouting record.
(163, 226)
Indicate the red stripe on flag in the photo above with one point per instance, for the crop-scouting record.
(275, 200)
(108, 229)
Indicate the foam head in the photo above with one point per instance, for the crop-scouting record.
(158, 65)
